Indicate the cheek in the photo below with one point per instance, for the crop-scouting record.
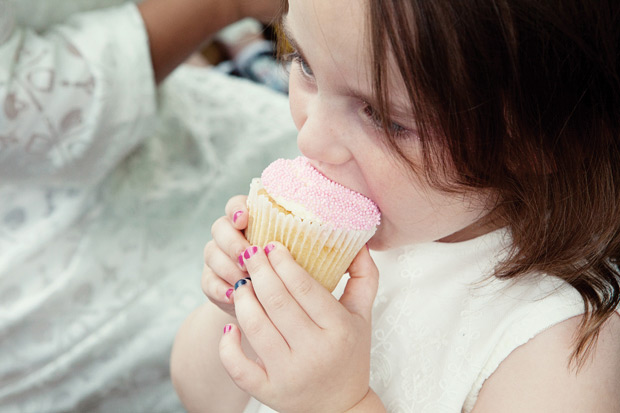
(409, 211)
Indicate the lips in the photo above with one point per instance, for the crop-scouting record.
(321, 170)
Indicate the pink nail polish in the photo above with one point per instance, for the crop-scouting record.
(240, 259)
(236, 216)
(249, 252)
(269, 248)
(229, 292)
(227, 328)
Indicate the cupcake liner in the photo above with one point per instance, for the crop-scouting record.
(324, 252)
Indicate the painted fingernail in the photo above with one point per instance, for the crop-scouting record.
(236, 216)
(269, 248)
(227, 328)
(242, 281)
(249, 252)
(229, 292)
(240, 259)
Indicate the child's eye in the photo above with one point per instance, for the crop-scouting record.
(304, 67)
(375, 119)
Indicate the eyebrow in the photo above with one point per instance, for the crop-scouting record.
(288, 36)
(369, 99)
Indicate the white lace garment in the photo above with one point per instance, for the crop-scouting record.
(107, 202)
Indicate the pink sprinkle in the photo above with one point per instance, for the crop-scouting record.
(298, 181)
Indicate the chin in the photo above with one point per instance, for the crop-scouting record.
(377, 246)
(387, 238)
(381, 242)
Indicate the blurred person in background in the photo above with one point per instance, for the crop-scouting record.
(108, 185)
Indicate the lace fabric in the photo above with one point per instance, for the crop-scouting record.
(97, 274)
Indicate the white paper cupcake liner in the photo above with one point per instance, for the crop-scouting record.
(324, 252)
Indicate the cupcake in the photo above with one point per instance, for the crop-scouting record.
(322, 223)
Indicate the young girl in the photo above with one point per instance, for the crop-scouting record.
(488, 133)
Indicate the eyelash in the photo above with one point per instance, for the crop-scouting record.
(396, 130)
(304, 68)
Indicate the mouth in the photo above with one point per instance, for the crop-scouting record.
(317, 166)
(321, 171)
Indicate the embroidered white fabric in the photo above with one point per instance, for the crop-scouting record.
(442, 326)
(102, 226)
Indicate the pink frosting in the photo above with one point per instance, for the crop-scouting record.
(298, 181)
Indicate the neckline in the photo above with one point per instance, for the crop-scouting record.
(498, 239)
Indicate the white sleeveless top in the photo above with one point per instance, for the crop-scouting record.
(441, 326)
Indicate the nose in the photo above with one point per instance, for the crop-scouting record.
(321, 123)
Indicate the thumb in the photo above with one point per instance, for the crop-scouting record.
(361, 289)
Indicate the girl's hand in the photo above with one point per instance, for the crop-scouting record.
(223, 268)
(313, 350)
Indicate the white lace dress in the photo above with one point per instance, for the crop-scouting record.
(108, 191)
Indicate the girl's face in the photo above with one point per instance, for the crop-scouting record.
(339, 131)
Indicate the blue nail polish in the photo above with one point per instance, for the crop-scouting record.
(242, 282)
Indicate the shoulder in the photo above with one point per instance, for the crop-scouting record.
(536, 377)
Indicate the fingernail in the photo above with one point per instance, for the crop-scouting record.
(240, 259)
(236, 216)
(229, 292)
(227, 328)
(249, 252)
(242, 281)
(269, 248)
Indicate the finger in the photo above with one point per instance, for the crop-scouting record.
(229, 239)
(247, 374)
(223, 266)
(361, 288)
(313, 298)
(237, 211)
(218, 290)
(263, 336)
(283, 310)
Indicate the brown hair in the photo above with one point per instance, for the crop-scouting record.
(521, 97)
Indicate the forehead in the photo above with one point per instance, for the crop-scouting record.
(330, 33)
(334, 18)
